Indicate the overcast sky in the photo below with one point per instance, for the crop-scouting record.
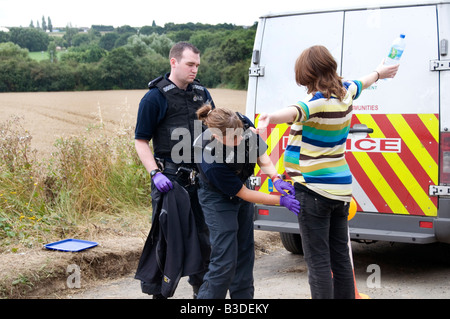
(84, 13)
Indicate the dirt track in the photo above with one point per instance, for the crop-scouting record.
(406, 271)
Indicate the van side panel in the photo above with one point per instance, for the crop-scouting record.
(444, 34)
(442, 223)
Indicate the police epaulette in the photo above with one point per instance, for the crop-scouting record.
(198, 87)
(169, 87)
(152, 84)
(244, 122)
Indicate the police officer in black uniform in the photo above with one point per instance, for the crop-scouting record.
(166, 116)
(227, 153)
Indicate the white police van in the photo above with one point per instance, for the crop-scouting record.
(399, 146)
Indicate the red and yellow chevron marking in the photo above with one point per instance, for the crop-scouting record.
(276, 137)
(393, 182)
(399, 182)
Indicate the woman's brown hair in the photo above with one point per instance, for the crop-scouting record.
(219, 118)
(317, 70)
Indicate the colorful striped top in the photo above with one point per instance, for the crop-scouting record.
(315, 154)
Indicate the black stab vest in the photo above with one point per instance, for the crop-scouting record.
(181, 113)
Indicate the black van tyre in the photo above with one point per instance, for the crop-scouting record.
(292, 243)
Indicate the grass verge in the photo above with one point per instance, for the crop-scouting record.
(89, 182)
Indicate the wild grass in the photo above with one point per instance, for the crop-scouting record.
(89, 180)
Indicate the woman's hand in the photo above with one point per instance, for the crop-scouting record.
(387, 71)
(263, 123)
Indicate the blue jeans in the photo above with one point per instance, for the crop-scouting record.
(324, 231)
(230, 223)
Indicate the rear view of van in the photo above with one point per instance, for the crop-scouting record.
(398, 148)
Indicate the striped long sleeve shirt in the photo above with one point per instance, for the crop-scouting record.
(315, 154)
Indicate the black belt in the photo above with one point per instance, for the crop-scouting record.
(181, 171)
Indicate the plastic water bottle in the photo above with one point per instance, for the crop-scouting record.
(396, 51)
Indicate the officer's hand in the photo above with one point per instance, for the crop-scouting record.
(162, 183)
(284, 187)
(290, 203)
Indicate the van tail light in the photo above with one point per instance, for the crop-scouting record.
(444, 171)
(264, 212)
(423, 224)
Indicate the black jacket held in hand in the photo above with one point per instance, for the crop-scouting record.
(172, 249)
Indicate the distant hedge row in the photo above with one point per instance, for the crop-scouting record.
(123, 59)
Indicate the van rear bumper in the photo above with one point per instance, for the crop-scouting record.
(394, 228)
(278, 219)
(365, 226)
(391, 236)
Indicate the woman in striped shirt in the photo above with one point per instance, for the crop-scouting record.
(315, 161)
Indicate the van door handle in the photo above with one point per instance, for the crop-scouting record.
(360, 128)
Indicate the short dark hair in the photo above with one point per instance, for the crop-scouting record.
(178, 49)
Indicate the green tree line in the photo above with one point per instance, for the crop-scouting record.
(107, 58)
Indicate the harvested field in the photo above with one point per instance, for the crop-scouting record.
(50, 115)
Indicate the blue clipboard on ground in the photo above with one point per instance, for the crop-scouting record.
(71, 245)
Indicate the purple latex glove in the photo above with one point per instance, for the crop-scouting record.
(290, 203)
(283, 186)
(162, 183)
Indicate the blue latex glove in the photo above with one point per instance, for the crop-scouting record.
(290, 203)
(283, 186)
(162, 183)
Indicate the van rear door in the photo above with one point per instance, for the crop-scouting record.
(394, 166)
(279, 42)
(272, 84)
